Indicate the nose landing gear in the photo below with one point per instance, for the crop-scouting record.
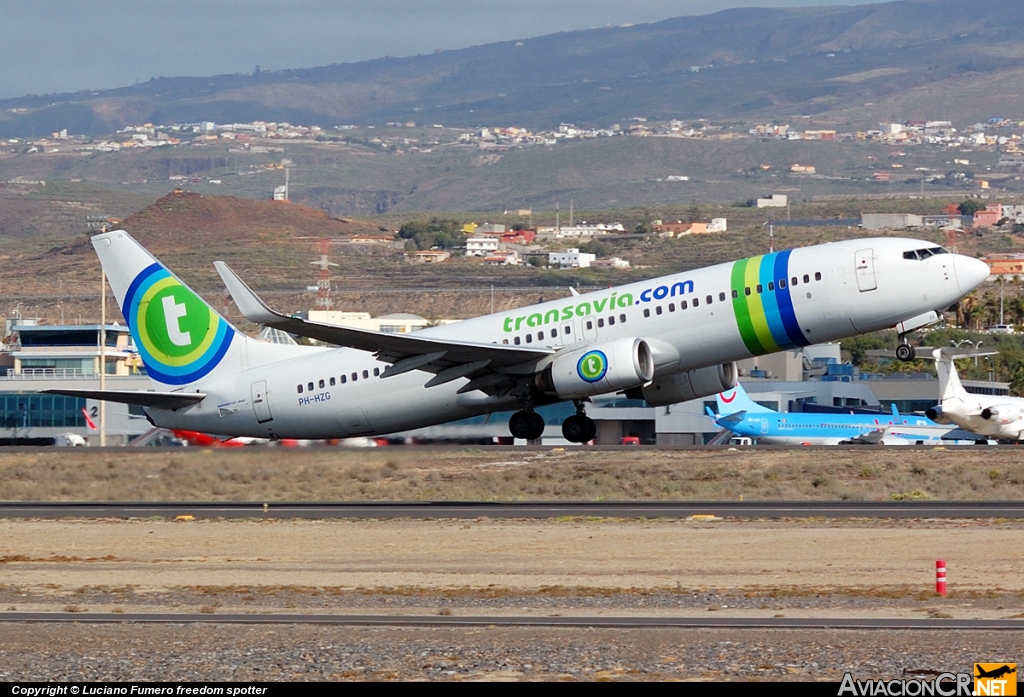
(579, 428)
(904, 351)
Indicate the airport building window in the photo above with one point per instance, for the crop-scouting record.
(40, 410)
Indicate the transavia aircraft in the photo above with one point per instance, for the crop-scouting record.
(995, 416)
(745, 417)
(666, 340)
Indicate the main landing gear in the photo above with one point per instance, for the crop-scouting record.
(904, 351)
(526, 424)
(579, 428)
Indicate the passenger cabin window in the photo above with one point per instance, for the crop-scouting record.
(721, 296)
(658, 309)
(611, 321)
(333, 381)
(376, 372)
(600, 322)
(696, 302)
(344, 379)
(708, 300)
(355, 376)
(529, 338)
(517, 341)
(817, 275)
(682, 304)
(554, 333)
(771, 285)
(671, 307)
(760, 288)
(590, 324)
(300, 389)
(322, 384)
(782, 283)
(310, 387)
(807, 279)
(793, 281)
(735, 293)
(366, 374)
(622, 317)
(647, 312)
(746, 291)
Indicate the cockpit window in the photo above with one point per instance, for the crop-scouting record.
(924, 253)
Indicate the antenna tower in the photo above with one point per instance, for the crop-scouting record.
(323, 284)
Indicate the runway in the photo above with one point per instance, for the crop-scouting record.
(518, 621)
(536, 510)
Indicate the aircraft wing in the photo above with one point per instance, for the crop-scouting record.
(732, 419)
(869, 438)
(143, 398)
(405, 351)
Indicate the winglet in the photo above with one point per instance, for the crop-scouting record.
(248, 303)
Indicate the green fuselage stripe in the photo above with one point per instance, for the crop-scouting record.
(741, 309)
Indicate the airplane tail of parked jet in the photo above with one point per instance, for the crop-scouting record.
(737, 399)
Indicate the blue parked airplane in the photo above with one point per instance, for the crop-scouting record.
(746, 418)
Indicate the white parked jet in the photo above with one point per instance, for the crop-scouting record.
(666, 340)
(995, 416)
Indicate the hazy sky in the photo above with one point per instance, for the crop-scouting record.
(69, 45)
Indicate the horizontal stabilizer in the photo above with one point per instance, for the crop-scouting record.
(732, 418)
(142, 398)
(389, 347)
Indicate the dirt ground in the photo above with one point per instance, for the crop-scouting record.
(877, 568)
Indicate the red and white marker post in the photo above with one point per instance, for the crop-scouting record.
(940, 577)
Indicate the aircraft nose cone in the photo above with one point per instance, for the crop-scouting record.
(970, 273)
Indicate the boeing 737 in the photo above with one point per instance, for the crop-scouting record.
(995, 416)
(666, 340)
(745, 417)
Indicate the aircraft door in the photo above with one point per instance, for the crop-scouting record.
(589, 328)
(259, 402)
(567, 333)
(865, 265)
(764, 426)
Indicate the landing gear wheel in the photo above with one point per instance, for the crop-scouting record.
(521, 424)
(537, 427)
(528, 425)
(905, 352)
(591, 432)
(574, 428)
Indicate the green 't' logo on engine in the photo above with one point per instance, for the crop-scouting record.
(592, 366)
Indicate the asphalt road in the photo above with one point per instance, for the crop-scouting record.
(435, 510)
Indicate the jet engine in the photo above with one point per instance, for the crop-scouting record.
(599, 368)
(937, 415)
(692, 384)
(1001, 414)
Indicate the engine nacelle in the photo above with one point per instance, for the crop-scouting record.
(693, 384)
(606, 367)
(1001, 414)
(937, 415)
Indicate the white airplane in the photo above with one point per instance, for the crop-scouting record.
(666, 340)
(995, 416)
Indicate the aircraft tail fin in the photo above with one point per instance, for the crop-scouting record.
(180, 338)
(949, 380)
(737, 399)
